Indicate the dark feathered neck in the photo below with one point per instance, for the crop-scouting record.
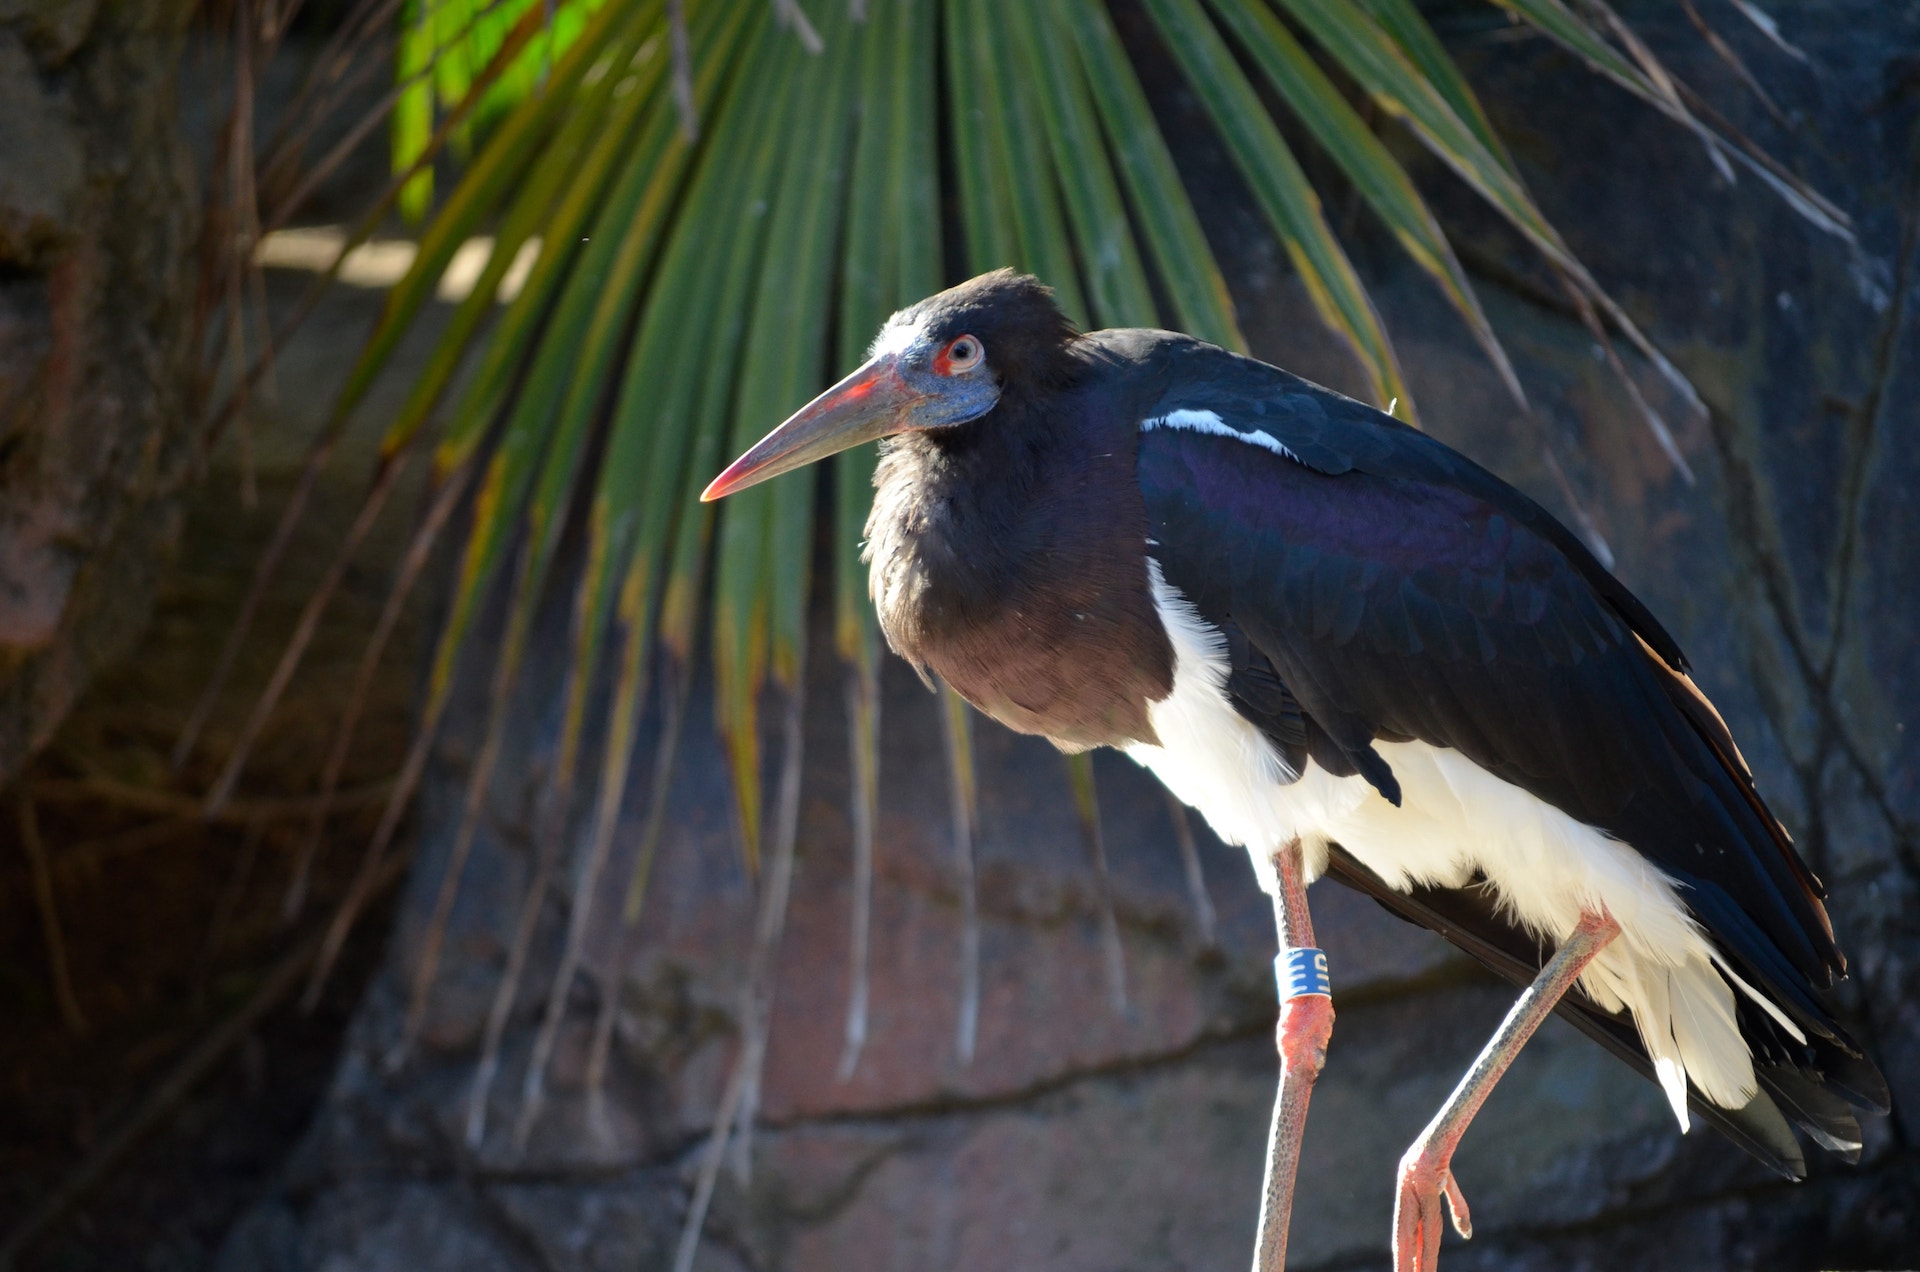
(960, 495)
(1009, 556)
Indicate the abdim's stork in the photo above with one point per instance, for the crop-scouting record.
(1360, 654)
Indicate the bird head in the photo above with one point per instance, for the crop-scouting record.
(940, 364)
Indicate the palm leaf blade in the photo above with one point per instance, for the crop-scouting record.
(1168, 223)
(504, 159)
(1377, 62)
(1283, 192)
(1379, 179)
(1117, 290)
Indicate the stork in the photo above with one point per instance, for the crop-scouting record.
(1358, 654)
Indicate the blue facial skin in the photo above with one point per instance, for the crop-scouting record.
(945, 400)
(917, 386)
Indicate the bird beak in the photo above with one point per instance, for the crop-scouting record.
(873, 402)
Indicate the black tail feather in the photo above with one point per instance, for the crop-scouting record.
(1819, 1099)
(1856, 1080)
(1823, 1114)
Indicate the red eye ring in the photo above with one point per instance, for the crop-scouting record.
(962, 354)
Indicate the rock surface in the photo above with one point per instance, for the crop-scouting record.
(97, 212)
(1084, 1138)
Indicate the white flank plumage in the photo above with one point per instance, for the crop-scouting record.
(1455, 820)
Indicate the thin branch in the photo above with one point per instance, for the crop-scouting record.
(263, 574)
(244, 226)
(1680, 103)
(418, 553)
(683, 70)
(166, 1095)
(335, 70)
(360, 892)
(1768, 27)
(86, 859)
(374, 862)
(1801, 197)
(764, 967)
(321, 448)
(141, 799)
(1086, 798)
(43, 900)
(677, 680)
(290, 203)
(282, 158)
(696, 1218)
(863, 799)
(1655, 423)
(1589, 530)
(789, 14)
(1203, 914)
(734, 1117)
(1735, 62)
(1655, 77)
(228, 905)
(361, 49)
(677, 677)
(479, 786)
(957, 733)
(606, 820)
(303, 633)
(550, 834)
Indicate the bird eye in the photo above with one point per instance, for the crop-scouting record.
(963, 354)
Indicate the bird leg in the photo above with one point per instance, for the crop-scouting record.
(1426, 1172)
(1306, 1023)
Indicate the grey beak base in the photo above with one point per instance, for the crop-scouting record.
(871, 403)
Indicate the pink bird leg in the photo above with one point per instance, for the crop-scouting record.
(1306, 1023)
(1426, 1172)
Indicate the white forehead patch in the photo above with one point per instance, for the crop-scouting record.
(1208, 422)
(901, 332)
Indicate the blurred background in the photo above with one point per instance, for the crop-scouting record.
(431, 840)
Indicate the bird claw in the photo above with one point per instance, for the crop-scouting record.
(1425, 1178)
(1457, 1208)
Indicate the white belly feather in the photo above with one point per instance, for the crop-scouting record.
(1456, 820)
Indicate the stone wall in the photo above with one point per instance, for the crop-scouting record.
(97, 211)
(1084, 1138)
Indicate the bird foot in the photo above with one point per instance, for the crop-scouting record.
(1426, 1175)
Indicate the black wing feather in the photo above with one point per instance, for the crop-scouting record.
(1333, 434)
(1395, 590)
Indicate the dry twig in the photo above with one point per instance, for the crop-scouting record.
(863, 800)
(957, 733)
(49, 917)
(165, 1096)
(1086, 798)
(1203, 914)
(739, 1103)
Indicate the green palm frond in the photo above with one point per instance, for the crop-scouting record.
(443, 46)
(693, 286)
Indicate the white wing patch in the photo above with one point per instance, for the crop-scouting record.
(1209, 422)
(1456, 821)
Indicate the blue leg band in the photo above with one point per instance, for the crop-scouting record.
(1302, 973)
